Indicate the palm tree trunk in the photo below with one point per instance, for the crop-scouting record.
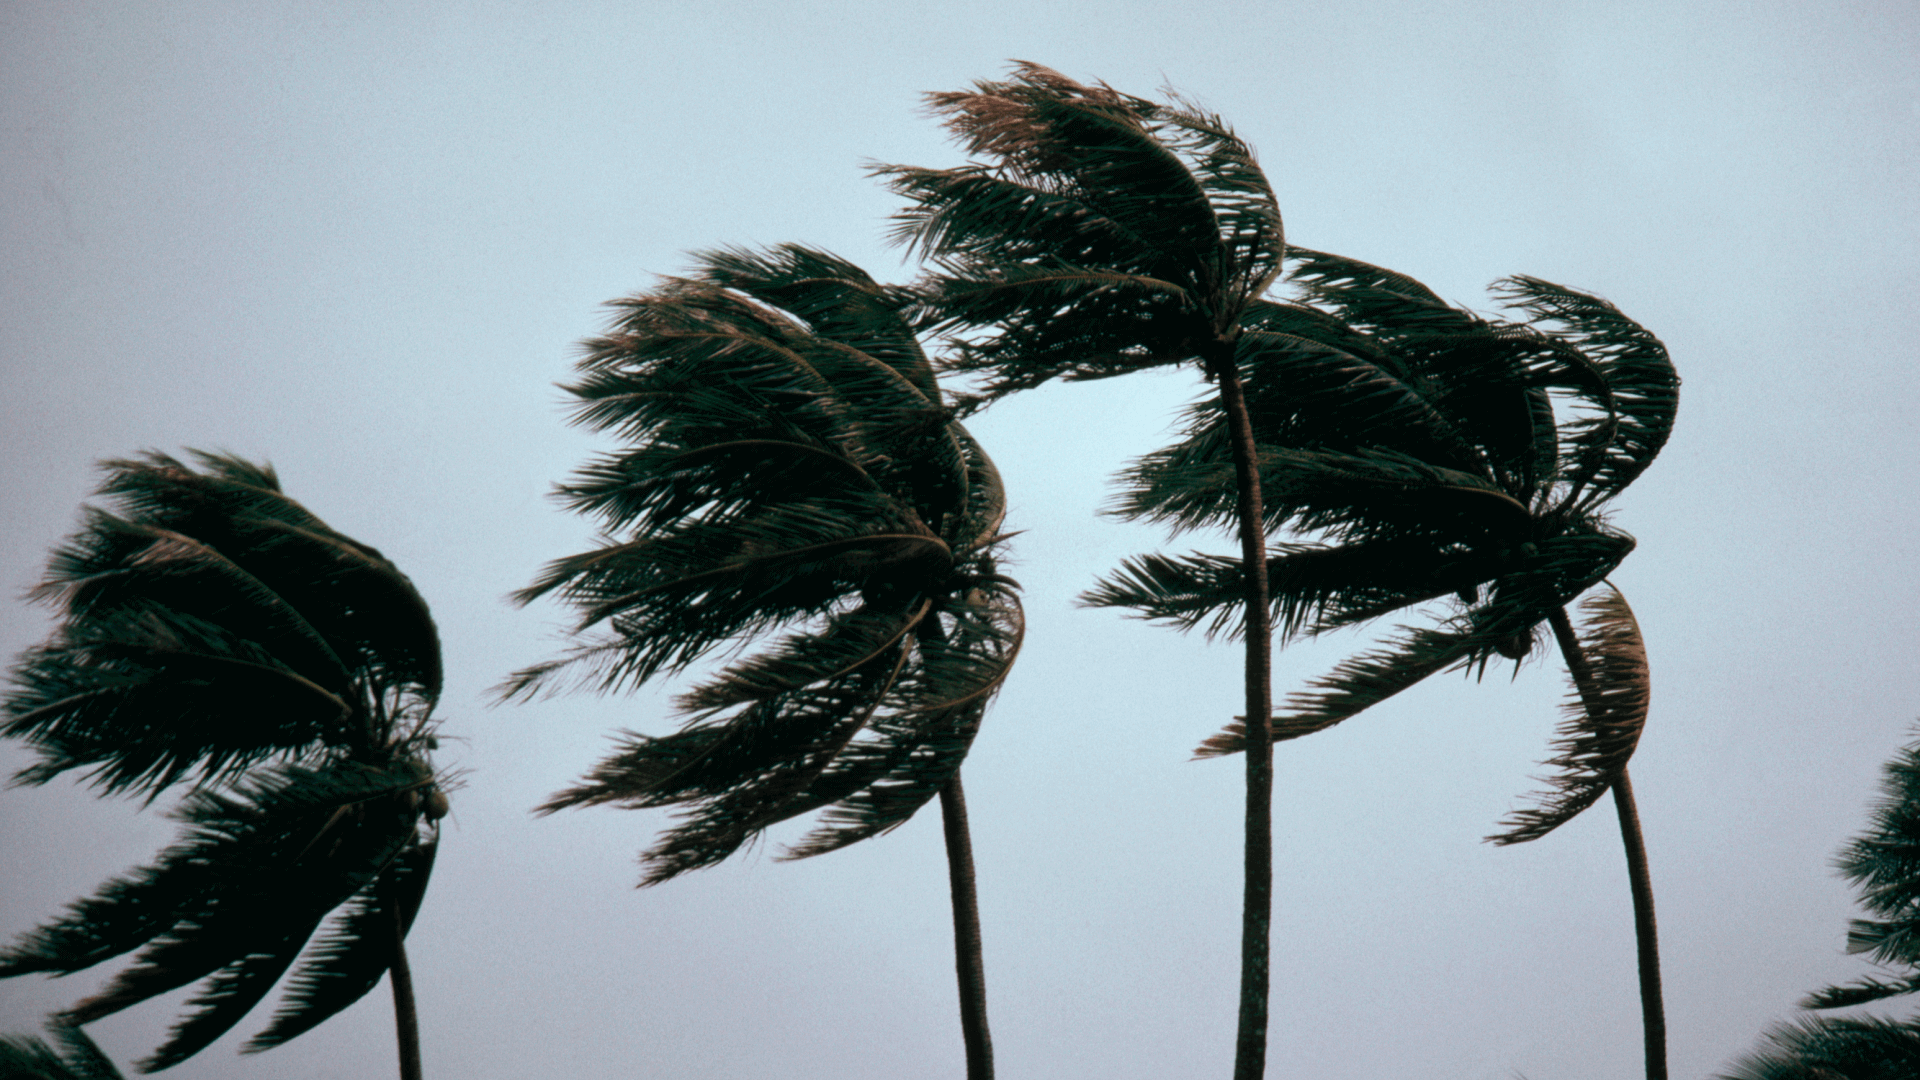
(1653, 1017)
(1256, 908)
(1653, 1013)
(967, 961)
(406, 1022)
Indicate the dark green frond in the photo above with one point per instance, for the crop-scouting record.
(1644, 388)
(1822, 1048)
(1534, 583)
(23, 1057)
(348, 958)
(1859, 992)
(1602, 724)
(1314, 588)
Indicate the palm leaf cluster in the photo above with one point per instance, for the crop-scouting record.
(1421, 453)
(215, 633)
(790, 485)
(1101, 234)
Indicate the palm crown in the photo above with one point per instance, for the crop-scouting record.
(791, 479)
(216, 633)
(1104, 233)
(1428, 452)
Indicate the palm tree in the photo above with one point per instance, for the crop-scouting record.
(790, 477)
(23, 1057)
(215, 633)
(1434, 453)
(1102, 234)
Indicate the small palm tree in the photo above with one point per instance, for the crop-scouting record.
(1101, 234)
(792, 478)
(215, 633)
(1433, 453)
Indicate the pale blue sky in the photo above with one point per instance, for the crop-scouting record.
(361, 239)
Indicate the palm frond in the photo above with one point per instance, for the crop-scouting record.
(1824, 1048)
(1558, 569)
(1643, 386)
(348, 958)
(1602, 722)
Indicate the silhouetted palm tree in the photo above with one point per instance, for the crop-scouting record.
(1101, 234)
(790, 477)
(1434, 453)
(215, 633)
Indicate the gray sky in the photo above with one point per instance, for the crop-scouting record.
(361, 239)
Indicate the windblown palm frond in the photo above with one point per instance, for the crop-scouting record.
(790, 478)
(214, 631)
(1827, 1048)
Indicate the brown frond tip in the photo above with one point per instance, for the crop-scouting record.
(1232, 739)
(1602, 724)
(1001, 119)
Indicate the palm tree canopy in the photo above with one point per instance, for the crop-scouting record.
(791, 480)
(1101, 232)
(1423, 452)
(216, 633)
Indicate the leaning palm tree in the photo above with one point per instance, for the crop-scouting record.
(215, 634)
(791, 478)
(1425, 453)
(1100, 234)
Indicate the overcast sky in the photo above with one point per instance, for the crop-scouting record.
(360, 240)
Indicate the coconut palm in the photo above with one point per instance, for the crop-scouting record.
(791, 483)
(1099, 234)
(215, 634)
(1426, 453)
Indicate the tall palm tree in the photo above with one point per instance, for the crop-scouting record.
(790, 477)
(1429, 453)
(1099, 234)
(216, 634)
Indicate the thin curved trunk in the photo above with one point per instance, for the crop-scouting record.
(1256, 911)
(1653, 1017)
(406, 1022)
(967, 961)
